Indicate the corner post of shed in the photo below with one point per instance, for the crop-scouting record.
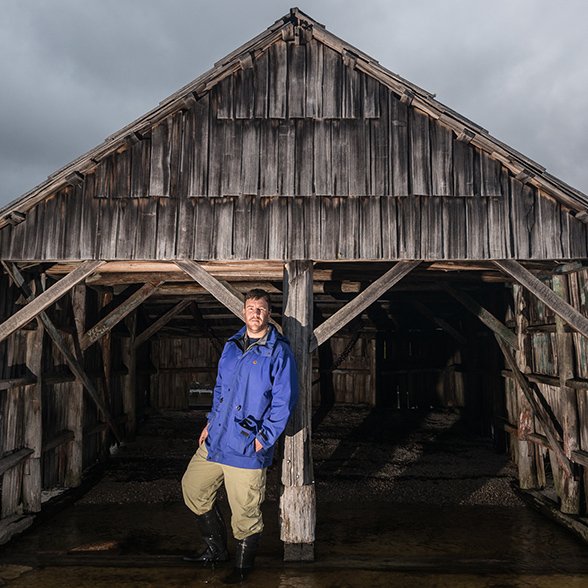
(297, 501)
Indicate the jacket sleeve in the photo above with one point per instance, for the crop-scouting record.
(284, 398)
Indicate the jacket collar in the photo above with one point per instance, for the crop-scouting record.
(268, 340)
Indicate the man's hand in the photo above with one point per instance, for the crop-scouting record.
(258, 446)
(203, 435)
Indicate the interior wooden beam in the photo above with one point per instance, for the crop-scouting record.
(161, 322)
(74, 365)
(108, 322)
(564, 310)
(497, 327)
(213, 285)
(442, 323)
(532, 394)
(47, 298)
(338, 320)
(13, 459)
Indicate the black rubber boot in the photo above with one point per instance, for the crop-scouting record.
(244, 558)
(214, 532)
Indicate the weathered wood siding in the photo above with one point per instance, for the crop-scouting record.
(297, 155)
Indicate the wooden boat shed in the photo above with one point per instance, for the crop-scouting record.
(415, 261)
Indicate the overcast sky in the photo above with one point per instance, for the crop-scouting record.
(74, 71)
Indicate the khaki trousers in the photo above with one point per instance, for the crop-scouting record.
(245, 491)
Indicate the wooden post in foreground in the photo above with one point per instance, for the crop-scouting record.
(297, 502)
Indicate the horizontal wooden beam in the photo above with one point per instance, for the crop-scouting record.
(7, 383)
(118, 314)
(13, 525)
(13, 459)
(566, 311)
(536, 378)
(61, 438)
(47, 298)
(338, 320)
(497, 327)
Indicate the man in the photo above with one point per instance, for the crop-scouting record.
(255, 392)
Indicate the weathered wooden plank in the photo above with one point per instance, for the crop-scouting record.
(146, 230)
(203, 244)
(177, 185)
(312, 224)
(104, 326)
(278, 80)
(454, 224)
(490, 177)
(244, 89)
(549, 218)
(497, 327)
(476, 228)
(371, 96)
(545, 294)
(338, 320)
(409, 227)
(379, 151)
(389, 228)
(332, 86)
(198, 155)
(441, 160)
(499, 223)
(214, 286)
(216, 162)
(269, 153)
(420, 153)
(314, 79)
(250, 157)
(167, 222)
(349, 228)
(186, 226)
(287, 137)
(297, 501)
(126, 229)
(278, 228)
(370, 235)
(296, 81)
(304, 154)
(359, 152)
(44, 300)
(13, 459)
(242, 226)
(432, 233)
(298, 238)
(261, 83)
(351, 106)
(340, 157)
(140, 168)
(398, 114)
(159, 176)
(463, 169)
(223, 228)
(222, 99)
(322, 158)
(330, 210)
(231, 166)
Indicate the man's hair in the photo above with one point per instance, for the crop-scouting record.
(258, 294)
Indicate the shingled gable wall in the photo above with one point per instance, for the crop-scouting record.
(297, 154)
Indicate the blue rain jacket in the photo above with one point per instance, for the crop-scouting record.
(255, 392)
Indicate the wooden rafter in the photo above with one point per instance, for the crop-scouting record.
(442, 323)
(338, 320)
(497, 327)
(564, 310)
(161, 322)
(47, 298)
(74, 365)
(120, 312)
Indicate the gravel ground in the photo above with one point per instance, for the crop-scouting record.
(359, 454)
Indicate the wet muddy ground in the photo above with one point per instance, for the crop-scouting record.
(403, 499)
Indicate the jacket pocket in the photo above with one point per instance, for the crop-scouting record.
(242, 436)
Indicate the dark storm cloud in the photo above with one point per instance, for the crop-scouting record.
(74, 72)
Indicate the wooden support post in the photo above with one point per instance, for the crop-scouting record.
(33, 431)
(105, 325)
(75, 413)
(129, 351)
(570, 485)
(561, 308)
(47, 298)
(297, 502)
(338, 320)
(55, 335)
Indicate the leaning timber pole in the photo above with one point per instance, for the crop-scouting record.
(297, 501)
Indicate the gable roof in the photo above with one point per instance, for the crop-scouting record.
(296, 22)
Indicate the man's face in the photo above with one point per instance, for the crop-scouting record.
(257, 316)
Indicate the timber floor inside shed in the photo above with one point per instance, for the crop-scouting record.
(403, 498)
